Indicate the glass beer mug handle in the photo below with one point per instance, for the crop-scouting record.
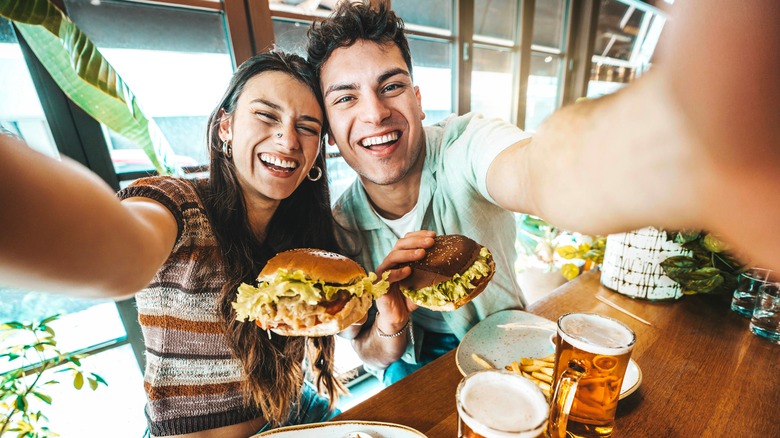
(562, 399)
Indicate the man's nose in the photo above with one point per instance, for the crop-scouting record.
(374, 109)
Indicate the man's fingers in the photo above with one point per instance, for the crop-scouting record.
(399, 274)
(397, 257)
(412, 241)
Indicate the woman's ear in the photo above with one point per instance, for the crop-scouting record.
(225, 126)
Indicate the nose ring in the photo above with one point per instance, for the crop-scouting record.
(278, 135)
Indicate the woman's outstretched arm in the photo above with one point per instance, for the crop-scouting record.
(64, 230)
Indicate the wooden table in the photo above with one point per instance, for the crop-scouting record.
(704, 373)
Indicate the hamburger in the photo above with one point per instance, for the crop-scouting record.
(453, 272)
(308, 292)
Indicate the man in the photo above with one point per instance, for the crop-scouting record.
(692, 144)
(441, 178)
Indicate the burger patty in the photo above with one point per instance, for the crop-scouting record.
(336, 303)
(298, 314)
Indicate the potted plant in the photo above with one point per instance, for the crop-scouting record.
(591, 253)
(549, 256)
(30, 350)
(708, 269)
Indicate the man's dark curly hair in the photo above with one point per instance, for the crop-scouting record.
(356, 21)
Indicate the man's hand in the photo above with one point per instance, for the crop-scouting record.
(394, 309)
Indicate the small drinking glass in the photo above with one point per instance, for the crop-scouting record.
(766, 314)
(748, 283)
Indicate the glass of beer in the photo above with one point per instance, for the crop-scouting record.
(591, 357)
(500, 404)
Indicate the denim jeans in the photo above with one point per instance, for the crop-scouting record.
(433, 346)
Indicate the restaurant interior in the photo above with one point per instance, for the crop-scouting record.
(518, 60)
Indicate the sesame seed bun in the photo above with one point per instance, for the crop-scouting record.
(450, 255)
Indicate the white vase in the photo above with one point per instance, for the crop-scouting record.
(632, 264)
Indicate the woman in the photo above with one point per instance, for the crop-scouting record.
(189, 244)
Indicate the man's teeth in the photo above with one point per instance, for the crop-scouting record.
(276, 161)
(381, 139)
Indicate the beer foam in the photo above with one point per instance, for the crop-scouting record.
(498, 404)
(596, 333)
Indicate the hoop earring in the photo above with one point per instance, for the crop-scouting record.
(227, 149)
(318, 171)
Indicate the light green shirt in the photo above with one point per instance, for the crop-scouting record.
(453, 199)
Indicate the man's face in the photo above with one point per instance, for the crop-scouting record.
(374, 110)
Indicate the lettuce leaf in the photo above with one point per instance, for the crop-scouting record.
(250, 300)
(455, 288)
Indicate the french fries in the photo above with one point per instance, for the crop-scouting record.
(482, 362)
(539, 370)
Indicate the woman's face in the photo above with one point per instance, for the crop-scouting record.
(275, 135)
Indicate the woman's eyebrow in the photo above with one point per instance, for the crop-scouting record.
(276, 107)
(267, 103)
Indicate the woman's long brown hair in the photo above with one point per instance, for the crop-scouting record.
(273, 364)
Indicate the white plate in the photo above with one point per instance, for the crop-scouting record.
(344, 429)
(532, 337)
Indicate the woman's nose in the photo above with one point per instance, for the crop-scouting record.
(287, 137)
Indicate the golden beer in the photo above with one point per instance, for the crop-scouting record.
(600, 347)
(500, 404)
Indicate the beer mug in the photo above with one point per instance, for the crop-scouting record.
(500, 404)
(591, 357)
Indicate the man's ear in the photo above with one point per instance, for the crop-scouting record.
(225, 125)
(331, 141)
(419, 101)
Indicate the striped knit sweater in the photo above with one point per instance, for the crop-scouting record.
(192, 382)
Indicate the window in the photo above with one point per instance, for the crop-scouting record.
(548, 53)
(627, 34)
(495, 58)
(429, 30)
(85, 324)
(491, 80)
(176, 62)
(435, 15)
(432, 70)
(20, 109)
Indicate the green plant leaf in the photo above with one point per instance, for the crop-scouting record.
(78, 380)
(46, 398)
(703, 280)
(683, 236)
(13, 325)
(712, 243)
(568, 252)
(20, 403)
(92, 383)
(86, 77)
(46, 321)
(675, 266)
(99, 379)
(570, 271)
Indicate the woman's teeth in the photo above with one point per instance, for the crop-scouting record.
(270, 160)
(380, 139)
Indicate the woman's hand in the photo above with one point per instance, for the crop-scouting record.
(393, 308)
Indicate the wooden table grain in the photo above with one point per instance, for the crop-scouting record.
(703, 373)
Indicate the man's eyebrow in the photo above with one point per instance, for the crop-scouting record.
(339, 87)
(353, 86)
(390, 73)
